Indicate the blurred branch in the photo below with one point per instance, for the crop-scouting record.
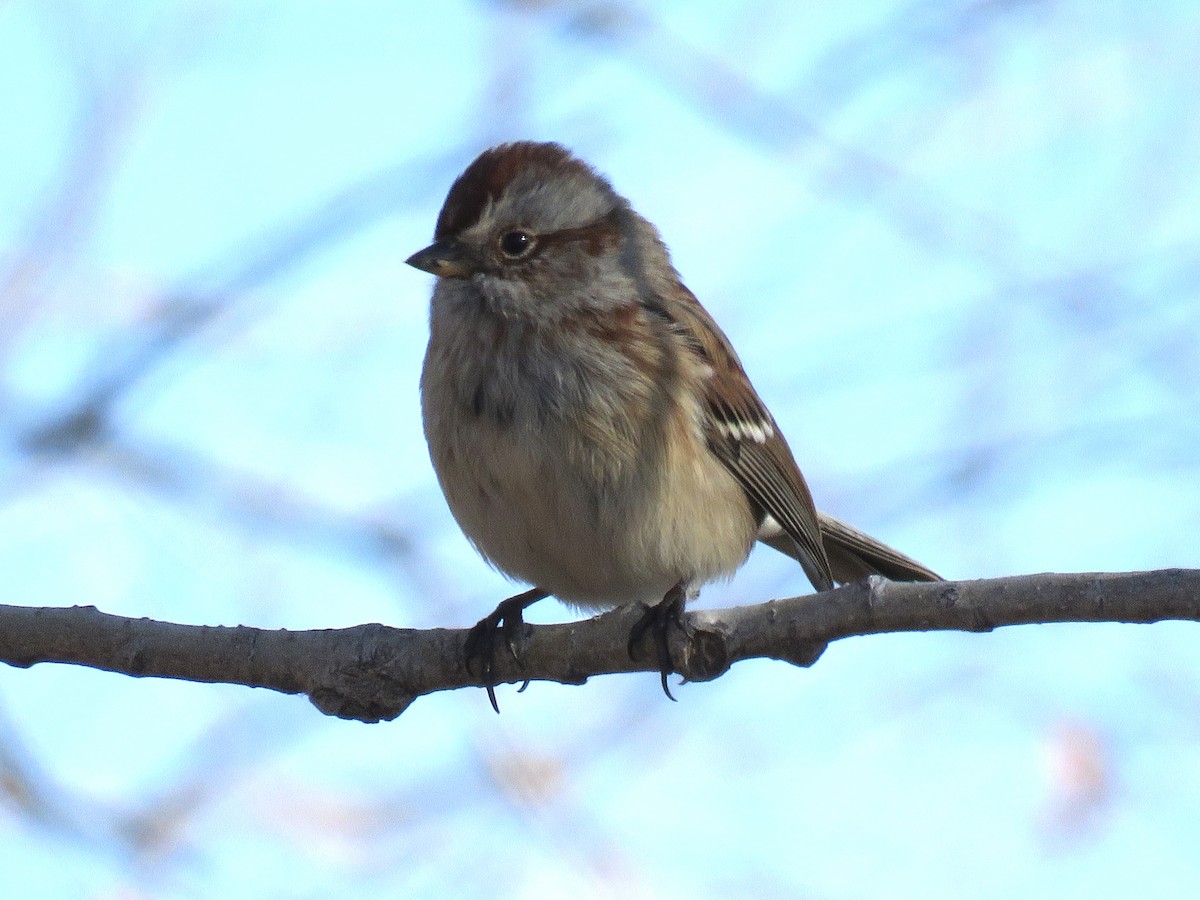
(186, 311)
(66, 214)
(373, 672)
(273, 507)
(777, 124)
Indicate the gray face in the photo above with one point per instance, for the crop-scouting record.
(548, 304)
(530, 223)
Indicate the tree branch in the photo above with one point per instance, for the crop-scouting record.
(373, 672)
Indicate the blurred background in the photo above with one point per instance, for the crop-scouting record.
(956, 246)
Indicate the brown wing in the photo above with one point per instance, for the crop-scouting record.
(742, 433)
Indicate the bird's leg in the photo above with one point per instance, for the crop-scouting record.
(480, 645)
(657, 620)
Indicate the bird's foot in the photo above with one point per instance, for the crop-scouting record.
(506, 620)
(657, 620)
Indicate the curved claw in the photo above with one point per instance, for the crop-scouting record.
(480, 644)
(667, 690)
(657, 620)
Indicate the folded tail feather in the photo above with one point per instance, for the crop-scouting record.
(854, 555)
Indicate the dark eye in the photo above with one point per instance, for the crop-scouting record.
(516, 244)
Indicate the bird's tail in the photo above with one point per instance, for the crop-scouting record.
(854, 554)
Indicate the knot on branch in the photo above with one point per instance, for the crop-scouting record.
(360, 706)
(800, 652)
(703, 653)
(368, 683)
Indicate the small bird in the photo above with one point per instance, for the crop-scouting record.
(591, 426)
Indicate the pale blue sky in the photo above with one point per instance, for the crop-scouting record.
(954, 244)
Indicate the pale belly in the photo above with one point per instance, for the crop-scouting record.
(540, 519)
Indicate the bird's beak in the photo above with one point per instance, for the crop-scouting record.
(446, 258)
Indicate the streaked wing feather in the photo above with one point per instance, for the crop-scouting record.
(742, 434)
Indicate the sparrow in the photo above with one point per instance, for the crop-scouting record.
(591, 427)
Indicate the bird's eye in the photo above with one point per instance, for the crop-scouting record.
(516, 244)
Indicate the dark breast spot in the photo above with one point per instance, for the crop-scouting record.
(486, 404)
